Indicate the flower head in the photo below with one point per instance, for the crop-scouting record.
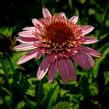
(61, 40)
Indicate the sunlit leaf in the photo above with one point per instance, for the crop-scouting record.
(20, 105)
(63, 105)
(7, 31)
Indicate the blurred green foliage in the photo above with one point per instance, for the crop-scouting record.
(19, 87)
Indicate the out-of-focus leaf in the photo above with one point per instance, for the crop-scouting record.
(76, 12)
(20, 105)
(7, 31)
(97, 65)
(103, 37)
(1, 79)
(10, 80)
(107, 23)
(82, 1)
(98, 17)
(8, 101)
(1, 100)
(5, 91)
(91, 11)
(106, 76)
(70, 4)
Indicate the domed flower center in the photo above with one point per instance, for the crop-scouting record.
(59, 34)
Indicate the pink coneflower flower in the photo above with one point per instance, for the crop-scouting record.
(61, 40)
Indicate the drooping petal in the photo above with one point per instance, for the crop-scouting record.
(90, 40)
(83, 59)
(86, 29)
(66, 70)
(43, 68)
(51, 57)
(52, 71)
(91, 51)
(37, 23)
(74, 19)
(71, 69)
(46, 13)
(24, 47)
(27, 39)
(32, 54)
(63, 71)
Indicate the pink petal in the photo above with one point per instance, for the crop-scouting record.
(29, 28)
(32, 32)
(24, 47)
(37, 23)
(66, 70)
(83, 59)
(52, 71)
(71, 69)
(26, 34)
(30, 55)
(43, 68)
(51, 57)
(90, 40)
(46, 13)
(63, 70)
(62, 15)
(27, 39)
(74, 19)
(91, 51)
(86, 29)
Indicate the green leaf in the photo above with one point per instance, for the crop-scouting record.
(63, 105)
(20, 105)
(1, 100)
(7, 31)
(51, 93)
(31, 91)
(97, 65)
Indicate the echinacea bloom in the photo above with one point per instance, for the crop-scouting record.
(61, 40)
